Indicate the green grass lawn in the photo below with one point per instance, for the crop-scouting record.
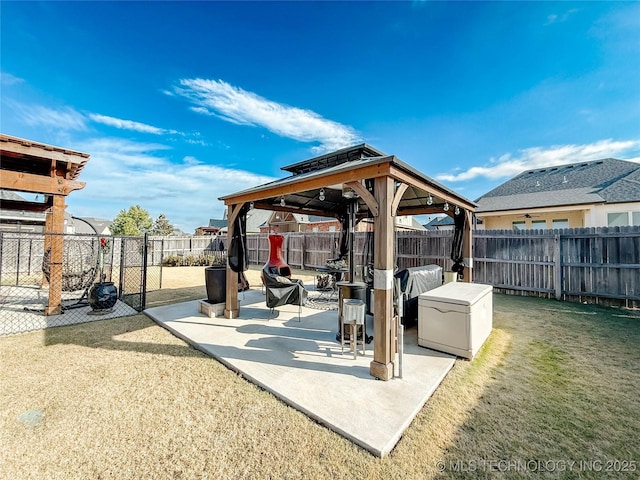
(555, 383)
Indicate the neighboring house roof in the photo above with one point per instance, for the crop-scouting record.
(100, 226)
(318, 219)
(255, 219)
(416, 225)
(439, 222)
(601, 181)
(215, 223)
(10, 195)
(278, 217)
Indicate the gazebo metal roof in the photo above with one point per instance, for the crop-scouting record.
(339, 172)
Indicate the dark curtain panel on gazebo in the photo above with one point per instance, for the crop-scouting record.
(456, 247)
(238, 254)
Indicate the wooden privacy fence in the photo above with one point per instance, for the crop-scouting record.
(590, 264)
(586, 264)
(183, 247)
(593, 265)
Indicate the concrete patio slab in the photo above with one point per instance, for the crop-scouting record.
(301, 363)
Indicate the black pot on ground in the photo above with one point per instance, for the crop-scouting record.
(103, 296)
(215, 279)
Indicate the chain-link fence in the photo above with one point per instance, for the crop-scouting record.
(49, 280)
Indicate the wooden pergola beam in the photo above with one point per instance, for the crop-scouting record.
(15, 147)
(29, 182)
(369, 199)
(18, 205)
(405, 177)
(289, 209)
(371, 171)
(397, 198)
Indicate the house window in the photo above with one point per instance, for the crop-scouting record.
(519, 225)
(314, 229)
(538, 224)
(332, 228)
(560, 223)
(635, 218)
(617, 219)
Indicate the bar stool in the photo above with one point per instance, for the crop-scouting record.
(353, 315)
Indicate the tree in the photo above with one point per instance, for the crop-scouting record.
(162, 226)
(135, 221)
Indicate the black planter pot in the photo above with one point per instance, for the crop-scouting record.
(103, 296)
(216, 281)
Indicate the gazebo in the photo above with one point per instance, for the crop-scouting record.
(358, 182)
(52, 172)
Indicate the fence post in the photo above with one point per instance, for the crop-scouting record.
(18, 264)
(143, 296)
(30, 254)
(557, 266)
(1, 256)
(161, 260)
(123, 264)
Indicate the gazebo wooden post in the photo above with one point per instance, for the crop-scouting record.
(54, 226)
(232, 307)
(467, 247)
(383, 339)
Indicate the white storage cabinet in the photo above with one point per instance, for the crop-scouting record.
(455, 318)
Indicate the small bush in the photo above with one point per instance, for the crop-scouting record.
(202, 260)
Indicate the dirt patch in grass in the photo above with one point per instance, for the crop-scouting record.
(124, 398)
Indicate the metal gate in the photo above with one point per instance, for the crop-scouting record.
(35, 295)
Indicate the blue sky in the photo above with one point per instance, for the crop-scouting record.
(180, 103)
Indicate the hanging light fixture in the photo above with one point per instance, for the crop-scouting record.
(429, 200)
(348, 192)
(456, 210)
(446, 206)
(321, 197)
(282, 202)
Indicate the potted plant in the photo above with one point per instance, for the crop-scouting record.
(215, 277)
(103, 295)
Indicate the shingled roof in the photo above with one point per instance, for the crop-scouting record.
(602, 181)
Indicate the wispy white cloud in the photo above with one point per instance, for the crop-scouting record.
(129, 125)
(122, 154)
(235, 105)
(8, 79)
(65, 118)
(560, 18)
(121, 173)
(509, 165)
